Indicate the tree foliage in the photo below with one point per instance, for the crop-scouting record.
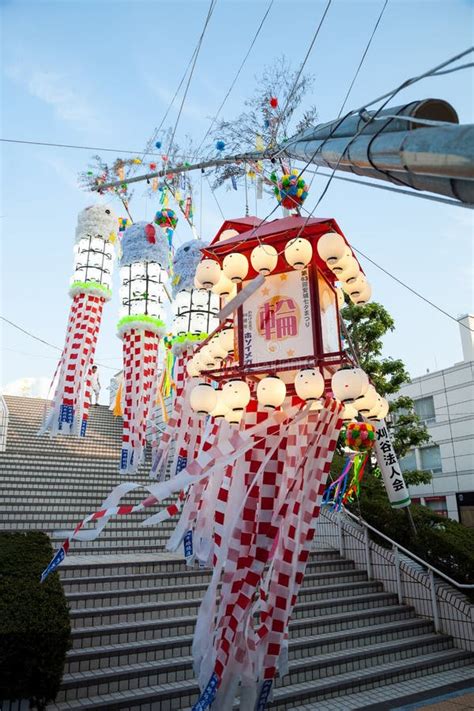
(366, 326)
(260, 122)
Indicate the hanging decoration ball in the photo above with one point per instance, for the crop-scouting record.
(331, 247)
(124, 222)
(298, 252)
(360, 436)
(166, 218)
(237, 395)
(273, 102)
(309, 384)
(226, 339)
(221, 409)
(208, 273)
(158, 144)
(224, 286)
(220, 145)
(235, 266)
(203, 398)
(349, 383)
(291, 190)
(264, 258)
(271, 392)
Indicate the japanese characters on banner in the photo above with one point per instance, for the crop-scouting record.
(277, 319)
(395, 486)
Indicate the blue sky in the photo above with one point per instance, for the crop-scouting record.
(101, 73)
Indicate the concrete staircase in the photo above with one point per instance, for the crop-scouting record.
(133, 606)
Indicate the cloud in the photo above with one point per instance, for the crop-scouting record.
(54, 89)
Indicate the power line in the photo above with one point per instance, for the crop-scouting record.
(41, 340)
(236, 76)
(66, 145)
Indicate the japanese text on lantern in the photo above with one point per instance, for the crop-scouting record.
(278, 318)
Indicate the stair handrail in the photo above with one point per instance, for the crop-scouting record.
(4, 421)
(394, 544)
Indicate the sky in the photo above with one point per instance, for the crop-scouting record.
(102, 73)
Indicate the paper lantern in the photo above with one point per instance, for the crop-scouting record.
(237, 394)
(216, 348)
(340, 298)
(203, 398)
(221, 408)
(194, 366)
(360, 436)
(298, 252)
(309, 384)
(235, 266)
(364, 295)
(342, 263)
(349, 384)
(264, 258)
(233, 417)
(207, 359)
(349, 413)
(356, 287)
(331, 247)
(226, 339)
(379, 410)
(350, 272)
(384, 410)
(271, 392)
(224, 286)
(208, 273)
(366, 402)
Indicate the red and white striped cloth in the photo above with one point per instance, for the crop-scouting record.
(71, 401)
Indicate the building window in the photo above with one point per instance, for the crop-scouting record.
(437, 504)
(408, 462)
(424, 408)
(431, 459)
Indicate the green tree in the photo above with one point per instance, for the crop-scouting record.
(366, 326)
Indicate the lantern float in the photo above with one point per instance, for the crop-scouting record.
(90, 288)
(143, 275)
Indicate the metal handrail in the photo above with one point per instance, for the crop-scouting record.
(394, 544)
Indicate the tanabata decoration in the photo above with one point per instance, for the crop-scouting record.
(291, 190)
(360, 436)
(143, 275)
(167, 220)
(90, 288)
(220, 145)
(273, 102)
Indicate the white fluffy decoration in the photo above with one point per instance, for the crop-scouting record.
(141, 326)
(97, 220)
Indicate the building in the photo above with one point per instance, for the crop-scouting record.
(445, 401)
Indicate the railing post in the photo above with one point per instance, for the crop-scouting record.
(341, 534)
(368, 560)
(434, 601)
(397, 575)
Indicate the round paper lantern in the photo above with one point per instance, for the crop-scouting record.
(216, 349)
(384, 410)
(331, 247)
(271, 392)
(203, 398)
(364, 295)
(349, 413)
(224, 286)
(264, 258)
(349, 384)
(298, 252)
(194, 366)
(221, 408)
(341, 263)
(208, 273)
(356, 287)
(379, 410)
(226, 339)
(360, 436)
(309, 384)
(366, 402)
(237, 394)
(340, 298)
(235, 267)
(227, 234)
(233, 417)
(350, 272)
(207, 359)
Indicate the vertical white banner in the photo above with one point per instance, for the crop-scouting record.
(393, 480)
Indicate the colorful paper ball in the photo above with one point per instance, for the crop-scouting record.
(292, 190)
(166, 218)
(273, 102)
(158, 144)
(360, 436)
(220, 145)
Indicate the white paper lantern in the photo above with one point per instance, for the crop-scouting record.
(385, 408)
(208, 273)
(350, 272)
(226, 339)
(224, 286)
(233, 417)
(271, 392)
(342, 263)
(142, 291)
(221, 408)
(340, 298)
(182, 302)
(207, 359)
(309, 384)
(298, 252)
(203, 398)
(364, 296)
(349, 413)
(237, 394)
(216, 348)
(197, 283)
(235, 266)
(365, 402)
(376, 411)
(316, 405)
(356, 288)
(193, 366)
(227, 234)
(349, 384)
(331, 247)
(264, 258)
